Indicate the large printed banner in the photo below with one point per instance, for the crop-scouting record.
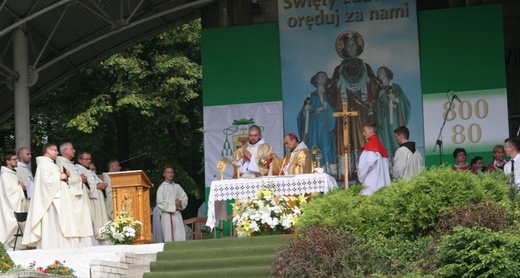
(363, 52)
(226, 130)
(476, 123)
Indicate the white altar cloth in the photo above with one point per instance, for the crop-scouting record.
(223, 190)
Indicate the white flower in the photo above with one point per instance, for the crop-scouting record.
(266, 213)
(123, 229)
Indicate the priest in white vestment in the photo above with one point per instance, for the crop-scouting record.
(50, 221)
(407, 159)
(373, 168)
(79, 196)
(253, 158)
(171, 200)
(113, 166)
(98, 210)
(23, 171)
(12, 199)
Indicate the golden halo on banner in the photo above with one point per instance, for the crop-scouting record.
(346, 36)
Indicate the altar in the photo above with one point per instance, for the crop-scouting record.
(222, 190)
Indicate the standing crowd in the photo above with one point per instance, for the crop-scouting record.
(66, 203)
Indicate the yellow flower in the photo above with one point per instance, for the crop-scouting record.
(294, 220)
(52, 266)
(302, 199)
(246, 224)
(237, 206)
(123, 219)
(260, 193)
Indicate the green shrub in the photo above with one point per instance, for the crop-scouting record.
(320, 252)
(479, 252)
(495, 217)
(324, 252)
(403, 257)
(410, 208)
(389, 234)
(334, 209)
(6, 264)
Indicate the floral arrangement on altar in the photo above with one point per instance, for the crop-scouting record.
(266, 214)
(122, 230)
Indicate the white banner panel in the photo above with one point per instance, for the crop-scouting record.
(226, 129)
(477, 123)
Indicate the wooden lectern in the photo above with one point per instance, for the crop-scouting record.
(131, 190)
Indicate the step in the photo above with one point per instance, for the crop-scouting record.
(217, 252)
(211, 243)
(235, 272)
(137, 271)
(216, 264)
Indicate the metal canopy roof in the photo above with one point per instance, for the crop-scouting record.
(67, 36)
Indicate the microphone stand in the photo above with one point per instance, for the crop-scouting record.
(438, 142)
(132, 158)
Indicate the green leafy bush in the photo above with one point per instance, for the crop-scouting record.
(6, 264)
(495, 217)
(320, 252)
(479, 252)
(410, 229)
(402, 257)
(324, 252)
(406, 208)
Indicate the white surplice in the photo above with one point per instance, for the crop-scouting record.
(98, 210)
(171, 216)
(50, 221)
(12, 199)
(373, 171)
(80, 203)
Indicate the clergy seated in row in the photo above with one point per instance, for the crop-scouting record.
(297, 161)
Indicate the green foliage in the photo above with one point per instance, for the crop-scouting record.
(325, 252)
(406, 208)
(321, 252)
(479, 253)
(144, 100)
(402, 257)
(409, 229)
(333, 210)
(495, 217)
(6, 264)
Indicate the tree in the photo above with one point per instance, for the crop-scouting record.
(143, 105)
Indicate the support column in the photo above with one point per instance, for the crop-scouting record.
(22, 123)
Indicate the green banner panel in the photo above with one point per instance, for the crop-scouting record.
(241, 64)
(462, 50)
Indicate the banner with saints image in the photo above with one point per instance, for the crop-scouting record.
(362, 52)
(226, 129)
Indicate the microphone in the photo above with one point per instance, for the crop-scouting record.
(455, 96)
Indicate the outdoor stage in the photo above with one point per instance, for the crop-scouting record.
(125, 260)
